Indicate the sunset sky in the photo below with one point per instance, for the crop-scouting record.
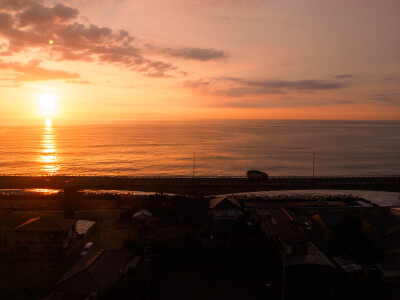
(126, 60)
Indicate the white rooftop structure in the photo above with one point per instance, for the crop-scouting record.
(142, 213)
(83, 226)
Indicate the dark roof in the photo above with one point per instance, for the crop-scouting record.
(95, 272)
(331, 218)
(347, 263)
(382, 221)
(280, 215)
(44, 224)
(313, 257)
(225, 202)
(288, 232)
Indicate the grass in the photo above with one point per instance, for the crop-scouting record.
(106, 236)
(29, 278)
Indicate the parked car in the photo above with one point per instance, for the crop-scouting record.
(88, 247)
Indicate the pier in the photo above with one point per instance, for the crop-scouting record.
(201, 185)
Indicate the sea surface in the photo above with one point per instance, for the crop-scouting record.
(222, 148)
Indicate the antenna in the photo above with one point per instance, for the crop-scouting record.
(313, 165)
(194, 164)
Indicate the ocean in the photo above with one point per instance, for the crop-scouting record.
(222, 148)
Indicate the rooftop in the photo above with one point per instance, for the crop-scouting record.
(143, 212)
(46, 224)
(382, 221)
(313, 257)
(288, 232)
(347, 264)
(94, 272)
(225, 202)
(331, 218)
(83, 226)
(280, 215)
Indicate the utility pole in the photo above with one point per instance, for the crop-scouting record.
(313, 165)
(194, 164)
(283, 271)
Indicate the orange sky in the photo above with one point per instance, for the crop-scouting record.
(125, 60)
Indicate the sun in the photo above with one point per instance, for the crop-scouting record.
(47, 104)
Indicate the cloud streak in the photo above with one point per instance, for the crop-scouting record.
(390, 99)
(240, 87)
(33, 72)
(201, 54)
(231, 2)
(289, 85)
(245, 93)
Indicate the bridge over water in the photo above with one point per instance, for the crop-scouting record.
(200, 185)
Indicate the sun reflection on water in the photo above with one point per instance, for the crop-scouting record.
(49, 158)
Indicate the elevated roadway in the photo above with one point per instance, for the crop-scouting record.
(201, 185)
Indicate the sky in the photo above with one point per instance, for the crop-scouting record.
(126, 60)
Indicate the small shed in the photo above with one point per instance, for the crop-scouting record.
(83, 227)
(143, 217)
(225, 208)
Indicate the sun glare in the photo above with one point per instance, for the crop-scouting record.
(47, 104)
(48, 122)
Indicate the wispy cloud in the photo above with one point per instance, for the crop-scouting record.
(309, 84)
(201, 54)
(79, 81)
(33, 72)
(392, 98)
(230, 2)
(344, 76)
(278, 102)
(245, 93)
(240, 87)
(196, 84)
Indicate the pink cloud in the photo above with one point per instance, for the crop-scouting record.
(29, 24)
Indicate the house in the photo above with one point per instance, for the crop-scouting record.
(290, 238)
(307, 273)
(44, 235)
(93, 274)
(380, 224)
(389, 271)
(303, 264)
(225, 208)
(310, 276)
(281, 215)
(287, 232)
(325, 224)
(395, 210)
